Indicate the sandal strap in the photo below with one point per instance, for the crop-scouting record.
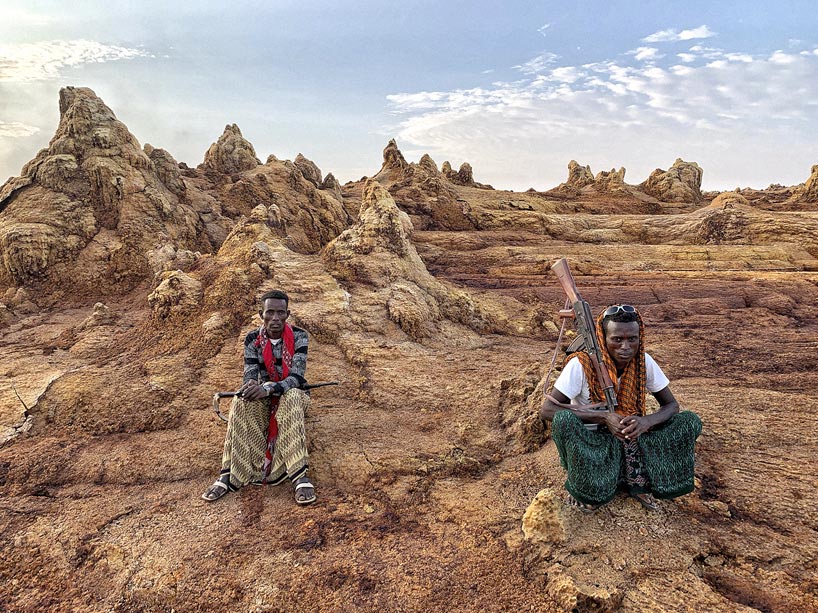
(303, 485)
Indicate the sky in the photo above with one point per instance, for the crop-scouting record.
(516, 88)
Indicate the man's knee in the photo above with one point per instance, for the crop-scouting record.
(293, 401)
(690, 420)
(241, 408)
(564, 421)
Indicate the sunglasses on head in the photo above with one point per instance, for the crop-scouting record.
(618, 308)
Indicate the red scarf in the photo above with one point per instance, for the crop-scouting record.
(287, 352)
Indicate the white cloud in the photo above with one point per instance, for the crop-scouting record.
(779, 57)
(620, 112)
(15, 129)
(537, 64)
(543, 28)
(646, 53)
(671, 35)
(23, 17)
(46, 60)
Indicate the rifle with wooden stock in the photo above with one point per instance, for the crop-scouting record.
(587, 341)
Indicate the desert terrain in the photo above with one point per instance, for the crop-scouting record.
(128, 281)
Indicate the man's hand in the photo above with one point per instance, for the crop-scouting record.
(615, 425)
(634, 426)
(252, 391)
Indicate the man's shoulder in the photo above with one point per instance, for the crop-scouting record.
(299, 331)
(251, 336)
(300, 336)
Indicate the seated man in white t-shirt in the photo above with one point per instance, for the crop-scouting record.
(648, 455)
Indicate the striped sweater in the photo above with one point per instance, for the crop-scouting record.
(254, 369)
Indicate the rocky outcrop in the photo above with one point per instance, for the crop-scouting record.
(331, 185)
(91, 203)
(809, 191)
(728, 200)
(377, 252)
(394, 164)
(464, 176)
(230, 154)
(681, 182)
(167, 169)
(307, 216)
(176, 294)
(422, 191)
(308, 168)
(610, 181)
(579, 176)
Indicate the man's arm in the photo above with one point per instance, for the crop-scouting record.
(252, 366)
(589, 416)
(636, 425)
(563, 402)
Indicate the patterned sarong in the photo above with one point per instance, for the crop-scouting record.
(598, 464)
(246, 440)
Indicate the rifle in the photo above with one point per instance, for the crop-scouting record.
(580, 312)
(219, 395)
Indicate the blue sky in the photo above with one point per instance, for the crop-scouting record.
(516, 88)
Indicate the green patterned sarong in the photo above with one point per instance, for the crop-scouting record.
(594, 459)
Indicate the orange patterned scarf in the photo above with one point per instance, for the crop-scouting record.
(630, 390)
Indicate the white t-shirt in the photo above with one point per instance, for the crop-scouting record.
(574, 385)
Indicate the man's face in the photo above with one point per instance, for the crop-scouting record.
(622, 341)
(274, 315)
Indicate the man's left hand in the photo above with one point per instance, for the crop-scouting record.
(634, 426)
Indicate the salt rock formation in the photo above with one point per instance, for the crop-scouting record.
(612, 181)
(520, 400)
(176, 294)
(307, 216)
(728, 200)
(681, 182)
(330, 184)
(231, 153)
(92, 182)
(422, 191)
(308, 168)
(724, 226)
(464, 176)
(571, 595)
(377, 252)
(541, 521)
(579, 176)
(167, 169)
(428, 164)
(809, 192)
(393, 163)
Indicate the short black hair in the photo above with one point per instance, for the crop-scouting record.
(621, 317)
(275, 294)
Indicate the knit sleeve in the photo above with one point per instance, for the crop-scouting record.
(252, 369)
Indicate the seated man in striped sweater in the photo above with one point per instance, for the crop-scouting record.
(266, 440)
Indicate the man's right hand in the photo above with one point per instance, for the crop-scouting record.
(614, 423)
(252, 391)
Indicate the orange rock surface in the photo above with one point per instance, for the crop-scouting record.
(127, 282)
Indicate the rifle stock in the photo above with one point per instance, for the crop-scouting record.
(586, 327)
